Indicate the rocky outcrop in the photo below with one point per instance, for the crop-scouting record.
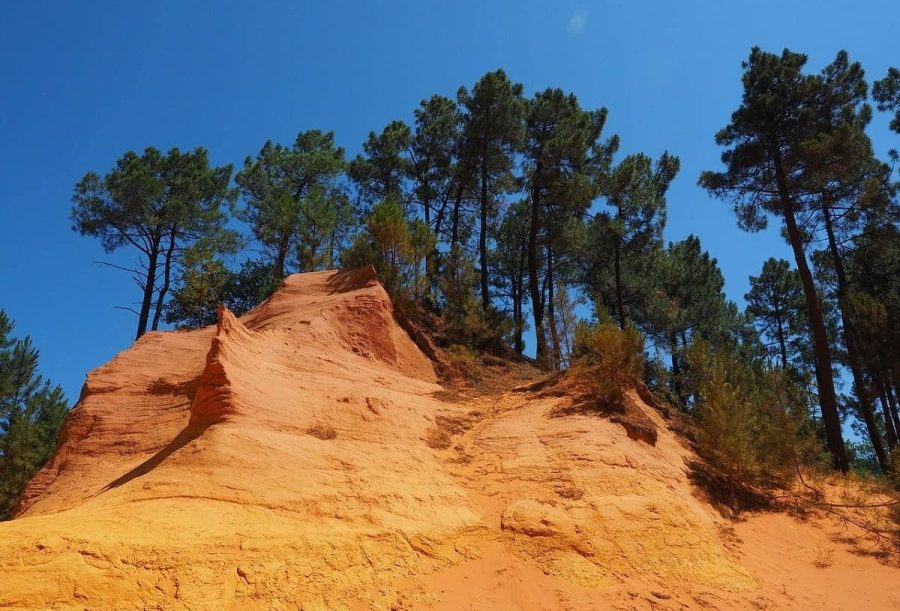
(304, 456)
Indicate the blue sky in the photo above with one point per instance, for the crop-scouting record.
(83, 82)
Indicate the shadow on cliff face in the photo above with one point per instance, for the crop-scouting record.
(186, 436)
(728, 496)
(347, 280)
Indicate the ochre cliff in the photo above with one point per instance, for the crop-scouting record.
(305, 456)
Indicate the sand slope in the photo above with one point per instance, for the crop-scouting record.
(304, 456)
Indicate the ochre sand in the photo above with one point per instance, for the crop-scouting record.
(304, 456)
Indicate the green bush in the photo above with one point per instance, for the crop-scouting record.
(609, 359)
(466, 321)
(752, 423)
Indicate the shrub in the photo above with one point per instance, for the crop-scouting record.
(322, 431)
(609, 359)
(751, 420)
(462, 361)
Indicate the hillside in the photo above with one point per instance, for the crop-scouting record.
(305, 455)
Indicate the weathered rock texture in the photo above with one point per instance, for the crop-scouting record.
(301, 457)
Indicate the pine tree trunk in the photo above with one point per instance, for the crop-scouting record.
(520, 283)
(782, 343)
(167, 280)
(824, 376)
(888, 419)
(676, 368)
(517, 316)
(620, 309)
(433, 280)
(280, 259)
(149, 287)
(893, 412)
(551, 311)
(482, 237)
(427, 213)
(853, 356)
(454, 234)
(537, 306)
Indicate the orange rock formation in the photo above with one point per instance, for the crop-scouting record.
(302, 456)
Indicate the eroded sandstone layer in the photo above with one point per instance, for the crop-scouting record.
(303, 456)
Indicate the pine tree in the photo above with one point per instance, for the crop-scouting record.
(380, 172)
(847, 186)
(433, 164)
(160, 205)
(622, 240)
(289, 190)
(688, 303)
(887, 93)
(563, 154)
(31, 412)
(873, 264)
(510, 268)
(385, 243)
(493, 132)
(776, 304)
(766, 175)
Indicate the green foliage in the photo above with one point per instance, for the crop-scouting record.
(381, 170)
(493, 130)
(777, 307)
(610, 359)
(631, 233)
(466, 323)
(293, 200)
(204, 285)
(751, 420)
(562, 157)
(162, 206)
(509, 269)
(31, 412)
(792, 142)
(207, 282)
(395, 246)
(887, 93)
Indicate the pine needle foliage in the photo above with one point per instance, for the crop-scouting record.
(751, 419)
(611, 360)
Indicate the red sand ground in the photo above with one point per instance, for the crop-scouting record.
(305, 456)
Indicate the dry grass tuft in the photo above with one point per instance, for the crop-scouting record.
(322, 431)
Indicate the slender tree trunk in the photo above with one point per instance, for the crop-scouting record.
(782, 343)
(454, 234)
(331, 244)
(824, 376)
(676, 366)
(537, 306)
(551, 310)
(149, 287)
(853, 356)
(888, 419)
(426, 206)
(433, 280)
(283, 245)
(620, 310)
(893, 412)
(167, 280)
(482, 237)
(520, 282)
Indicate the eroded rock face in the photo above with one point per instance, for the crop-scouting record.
(300, 456)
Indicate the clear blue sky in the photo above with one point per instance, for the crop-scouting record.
(83, 82)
